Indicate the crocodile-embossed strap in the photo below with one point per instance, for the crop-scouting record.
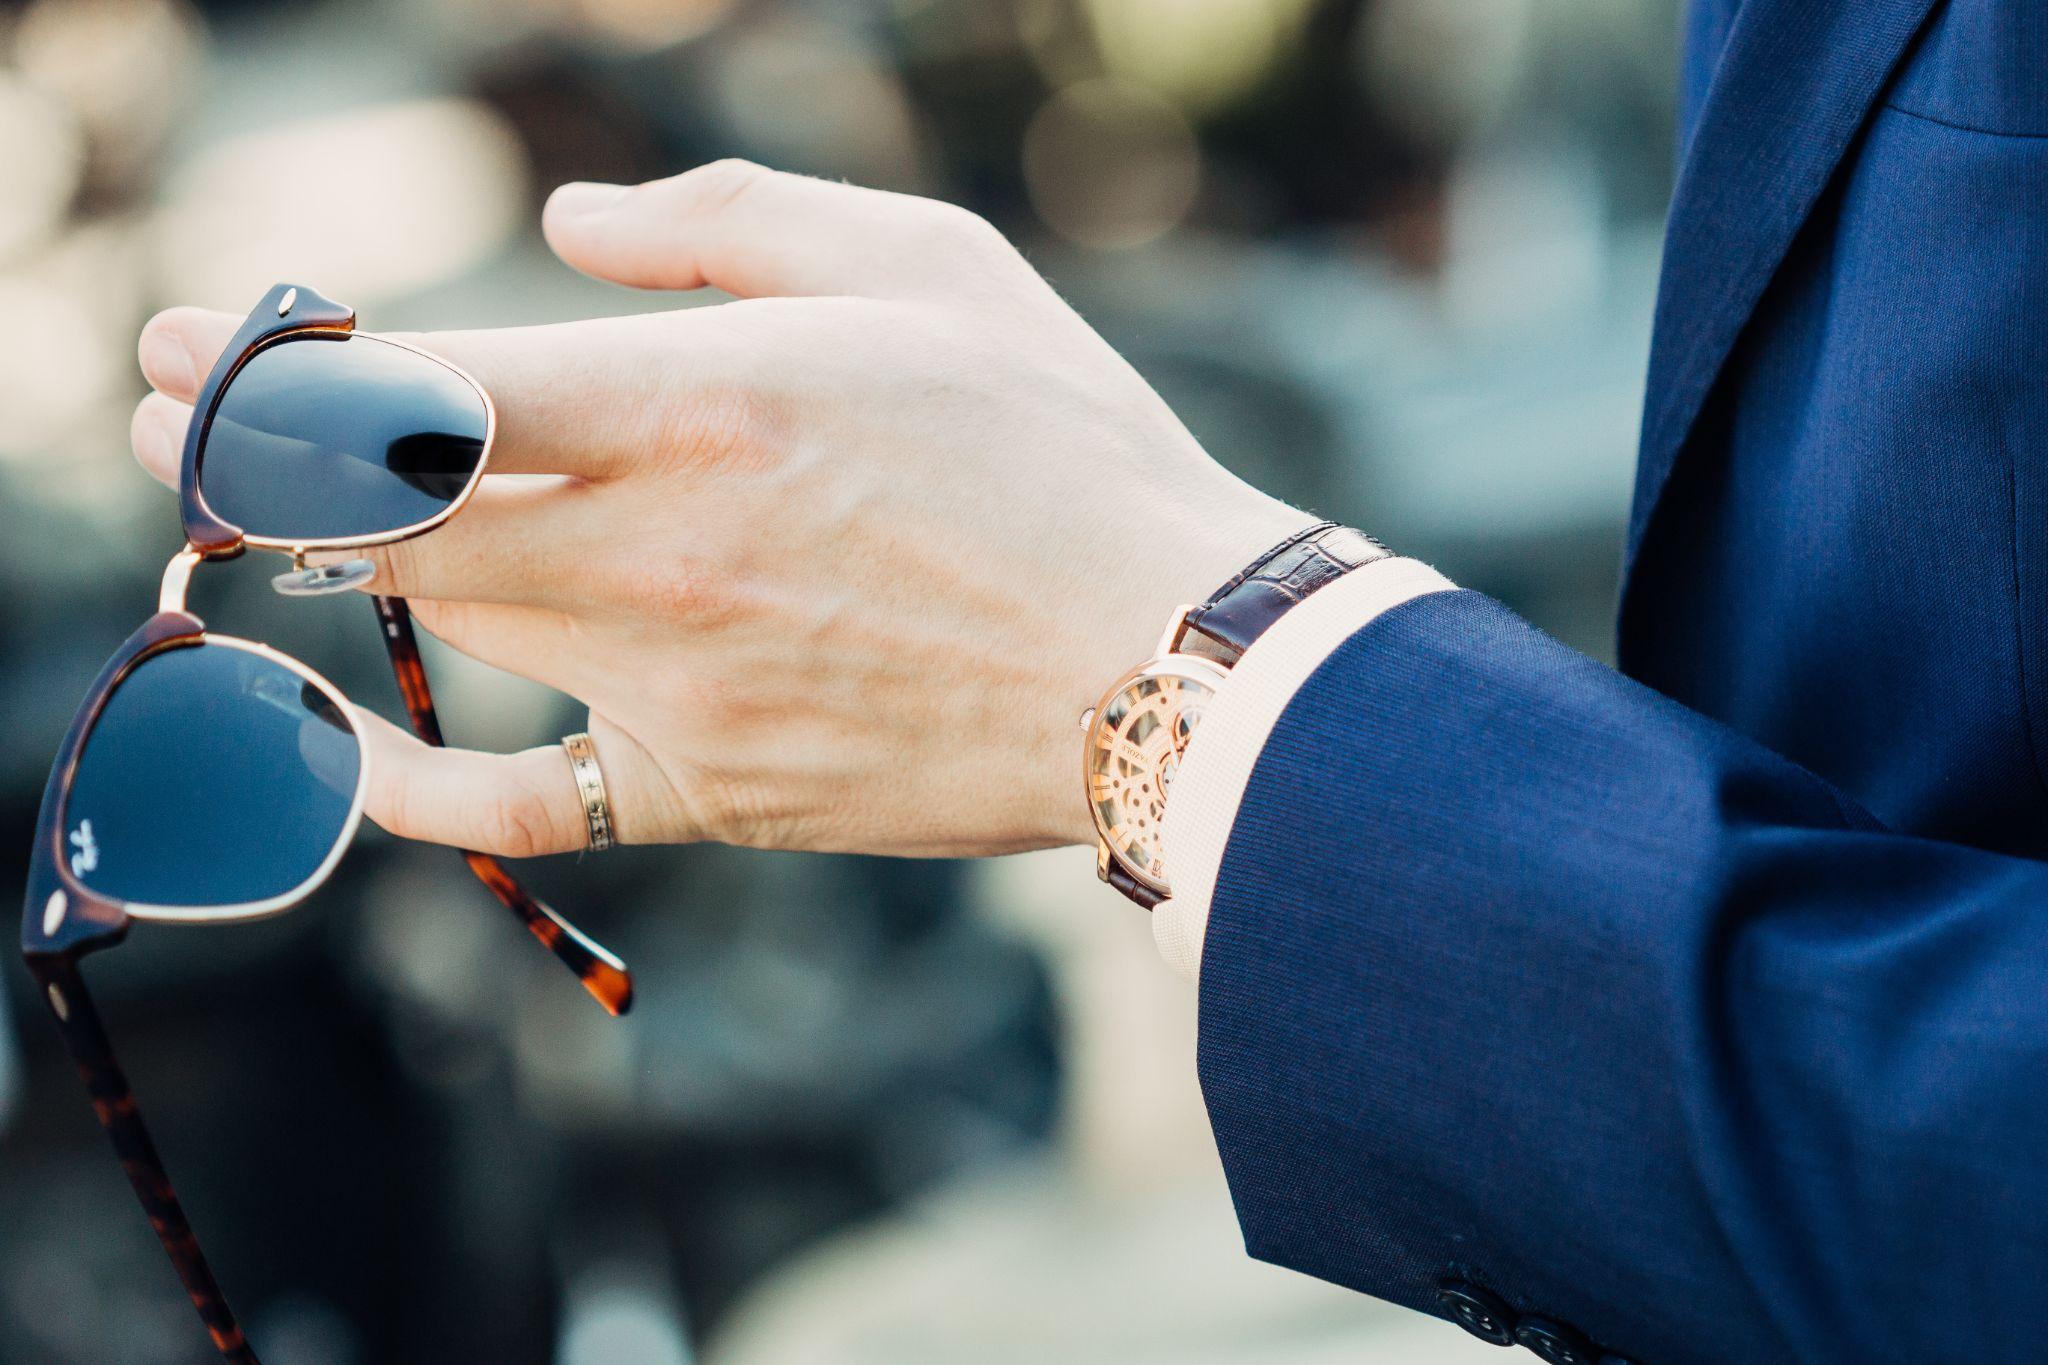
(1120, 877)
(1316, 556)
(1240, 611)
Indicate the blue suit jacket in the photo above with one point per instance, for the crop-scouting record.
(1704, 1010)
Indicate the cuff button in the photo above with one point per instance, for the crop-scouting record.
(1478, 1312)
(1553, 1342)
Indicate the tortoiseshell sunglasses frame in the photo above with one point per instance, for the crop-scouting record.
(63, 920)
(291, 309)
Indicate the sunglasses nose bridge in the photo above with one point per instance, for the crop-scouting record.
(177, 580)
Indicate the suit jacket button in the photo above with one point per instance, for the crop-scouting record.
(1478, 1312)
(1554, 1342)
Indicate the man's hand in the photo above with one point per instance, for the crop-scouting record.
(835, 566)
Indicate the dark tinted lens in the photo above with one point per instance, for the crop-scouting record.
(213, 777)
(332, 437)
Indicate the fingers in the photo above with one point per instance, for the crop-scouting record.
(157, 433)
(504, 546)
(519, 805)
(570, 396)
(533, 642)
(491, 551)
(179, 346)
(573, 398)
(754, 232)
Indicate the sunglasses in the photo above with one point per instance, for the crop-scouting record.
(208, 779)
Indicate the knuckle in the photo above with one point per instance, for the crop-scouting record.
(960, 229)
(735, 427)
(517, 823)
(723, 808)
(718, 185)
(392, 803)
(397, 568)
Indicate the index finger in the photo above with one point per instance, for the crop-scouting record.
(561, 390)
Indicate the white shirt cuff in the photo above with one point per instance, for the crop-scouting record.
(1226, 745)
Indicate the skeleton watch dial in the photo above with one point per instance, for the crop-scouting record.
(1136, 741)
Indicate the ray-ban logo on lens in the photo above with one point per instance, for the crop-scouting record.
(88, 855)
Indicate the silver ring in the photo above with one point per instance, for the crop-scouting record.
(597, 807)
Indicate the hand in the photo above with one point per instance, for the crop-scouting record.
(835, 566)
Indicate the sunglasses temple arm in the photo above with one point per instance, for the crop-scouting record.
(601, 973)
(113, 1103)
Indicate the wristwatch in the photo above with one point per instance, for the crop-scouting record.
(1139, 731)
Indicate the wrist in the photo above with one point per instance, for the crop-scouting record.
(1121, 623)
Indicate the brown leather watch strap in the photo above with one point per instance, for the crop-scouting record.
(1237, 614)
(1121, 878)
(1316, 556)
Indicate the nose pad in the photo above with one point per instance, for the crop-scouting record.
(324, 578)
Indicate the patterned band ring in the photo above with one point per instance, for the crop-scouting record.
(597, 807)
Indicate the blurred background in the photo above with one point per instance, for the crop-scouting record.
(1392, 259)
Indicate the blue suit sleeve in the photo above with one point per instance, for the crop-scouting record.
(1521, 975)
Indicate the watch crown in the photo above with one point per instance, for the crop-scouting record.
(1087, 718)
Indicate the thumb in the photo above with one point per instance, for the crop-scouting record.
(519, 805)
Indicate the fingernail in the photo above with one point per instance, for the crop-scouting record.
(167, 364)
(581, 197)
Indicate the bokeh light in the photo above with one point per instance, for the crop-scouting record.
(648, 24)
(371, 202)
(123, 67)
(1202, 53)
(56, 364)
(1442, 72)
(42, 148)
(1110, 164)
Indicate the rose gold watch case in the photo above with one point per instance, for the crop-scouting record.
(1167, 662)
